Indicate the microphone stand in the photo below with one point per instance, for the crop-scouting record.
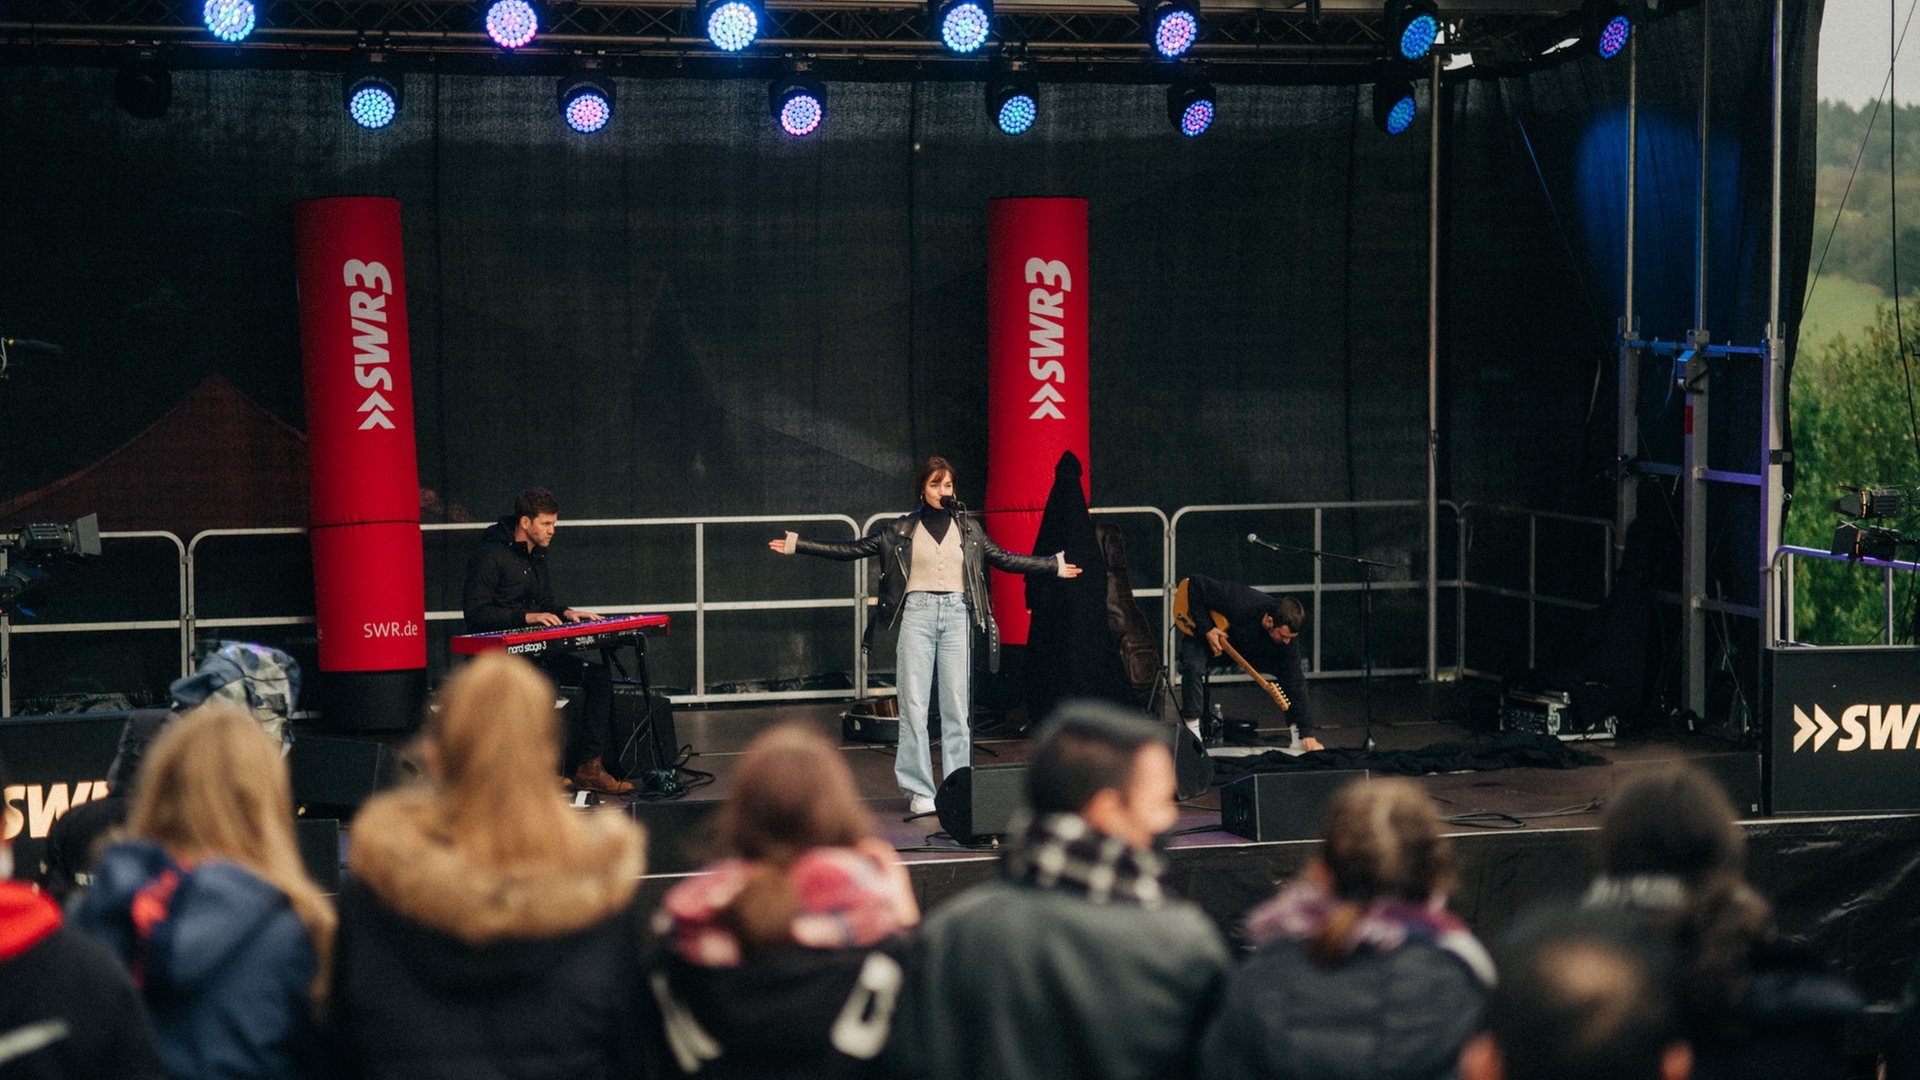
(1366, 617)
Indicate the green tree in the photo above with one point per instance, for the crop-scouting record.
(1853, 424)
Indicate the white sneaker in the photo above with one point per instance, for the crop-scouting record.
(919, 804)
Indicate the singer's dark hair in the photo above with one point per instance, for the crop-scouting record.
(929, 469)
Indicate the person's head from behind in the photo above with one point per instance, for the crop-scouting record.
(536, 513)
(933, 482)
(1284, 620)
(1108, 766)
(1580, 997)
(492, 747)
(212, 785)
(1676, 821)
(792, 791)
(1381, 838)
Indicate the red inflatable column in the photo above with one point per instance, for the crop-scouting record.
(1036, 373)
(369, 583)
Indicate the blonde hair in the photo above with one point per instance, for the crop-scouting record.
(1379, 838)
(497, 738)
(213, 786)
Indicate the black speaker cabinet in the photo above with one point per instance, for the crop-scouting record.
(319, 840)
(1739, 776)
(977, 802)
(643, 737)
(1281, 806)
(339, 774)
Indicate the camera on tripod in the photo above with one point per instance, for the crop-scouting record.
(25, 556)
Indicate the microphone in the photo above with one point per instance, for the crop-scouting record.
(1254, 538)
(949, 503)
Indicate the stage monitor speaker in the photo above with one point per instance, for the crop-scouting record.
(339, 774)
(1739, 776)
(978, 802)
(1281, 806)
(319, 840)
(643, 738)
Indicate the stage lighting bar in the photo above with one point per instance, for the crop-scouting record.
(963, 25)
(585, 100)
(799, 103)
(1394, 107)
(1412, 27)
(510, 23)
(1013, 101)
(731, 25)
(1172, 27)
(371, 90)
(1609, 23)
(1190, 106)
(229, 20)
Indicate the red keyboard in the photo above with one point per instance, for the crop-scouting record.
(567, 637)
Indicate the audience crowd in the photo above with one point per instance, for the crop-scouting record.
(487, 929)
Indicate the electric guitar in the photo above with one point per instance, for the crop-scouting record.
(1183, 620)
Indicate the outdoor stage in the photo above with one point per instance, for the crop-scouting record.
(1850, 885)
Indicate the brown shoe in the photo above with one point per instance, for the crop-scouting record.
(593, 776)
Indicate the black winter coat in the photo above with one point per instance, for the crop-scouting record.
(505, 581)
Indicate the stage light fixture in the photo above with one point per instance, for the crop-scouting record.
(229, 20)
(1412, 27)
(731, 25)
(1172, 26)
(1608, 25)
(1864, 541)
(1870, 502)
(585, 100)
(1190, 106)
(144, 86)
(798, 102)
(963, 24)
(371, 90)
(1013, 101)
(1394, 107)
(510, 23)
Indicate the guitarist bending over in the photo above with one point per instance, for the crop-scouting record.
(1265, 631)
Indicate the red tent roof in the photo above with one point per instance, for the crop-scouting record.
(217, 460)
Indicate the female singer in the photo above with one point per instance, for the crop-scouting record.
(933, 586)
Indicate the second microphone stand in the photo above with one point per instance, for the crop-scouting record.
(1366, 616)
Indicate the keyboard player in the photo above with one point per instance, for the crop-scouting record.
(508, 586)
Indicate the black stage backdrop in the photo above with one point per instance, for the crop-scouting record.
(692, 314)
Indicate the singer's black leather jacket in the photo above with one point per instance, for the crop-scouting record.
(893, 542)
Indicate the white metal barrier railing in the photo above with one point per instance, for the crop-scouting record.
(693, 532)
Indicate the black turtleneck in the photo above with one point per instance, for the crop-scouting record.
(936, 521)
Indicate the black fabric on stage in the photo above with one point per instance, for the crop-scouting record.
(690, 314)
(1069, 652)
(1512, 750)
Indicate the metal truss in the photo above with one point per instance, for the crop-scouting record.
(1302, 41)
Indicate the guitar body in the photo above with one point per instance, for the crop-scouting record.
(1183, 621)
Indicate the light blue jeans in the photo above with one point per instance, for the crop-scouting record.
(936, 638)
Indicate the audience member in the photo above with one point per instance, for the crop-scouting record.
(209, 906)
(488, 930)
(1581, 996)
(1077, 964)
(1358, 970)
(260, 679)
(67, 1009)
(784, 960)
(1753, 1004)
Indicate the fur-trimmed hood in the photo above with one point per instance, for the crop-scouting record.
(401, 853)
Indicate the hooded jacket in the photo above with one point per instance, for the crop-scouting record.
(505, 581)
(223, 962)
(893, 542)
(447, 968)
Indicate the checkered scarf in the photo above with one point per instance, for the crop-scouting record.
(1062, 851)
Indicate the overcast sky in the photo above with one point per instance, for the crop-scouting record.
(1857, 43)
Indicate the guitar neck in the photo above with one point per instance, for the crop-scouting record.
(1279, 696)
